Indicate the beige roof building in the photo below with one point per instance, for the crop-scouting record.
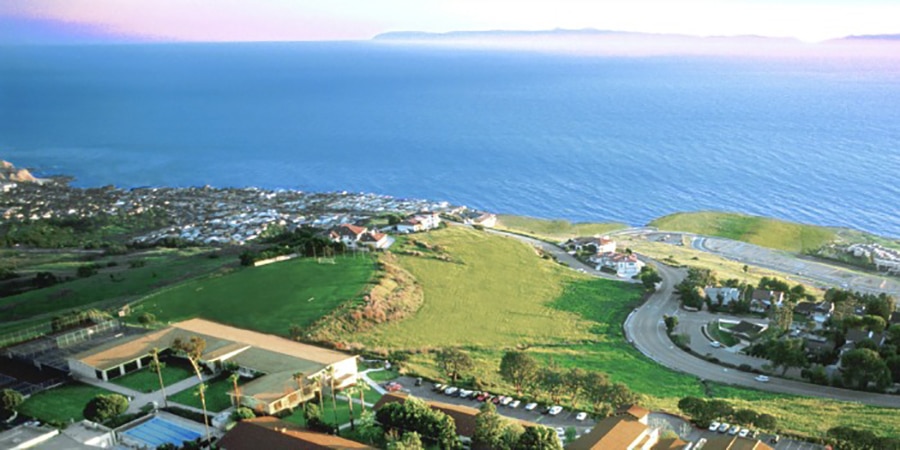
(625, 431)
(275, 358)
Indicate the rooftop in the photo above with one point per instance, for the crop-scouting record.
(273, 434)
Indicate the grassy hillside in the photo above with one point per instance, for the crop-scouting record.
(762, 231)
(497, 294)
(269, 298)
(553, 230)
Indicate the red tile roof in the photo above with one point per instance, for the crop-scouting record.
(273, 434)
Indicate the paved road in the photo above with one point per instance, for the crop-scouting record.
(645, 329)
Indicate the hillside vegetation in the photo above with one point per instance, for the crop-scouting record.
(488, 294)
(762, 231)
(554, 230)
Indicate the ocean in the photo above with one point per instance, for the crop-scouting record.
(596, 138)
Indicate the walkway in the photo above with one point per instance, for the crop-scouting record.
(137, 400)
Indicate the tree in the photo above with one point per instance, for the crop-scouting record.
(243, 413)
(574, 382)
(330, 372)
(881, 305)
(552, 382)
(247, 258)
(409, 441)
(619, 395)
(349, 392)
(362, 387)
(518, 368)
(787, 353)
(192, 349)
(863, 366)
(782, 316)
(893, 364)
(414, 415)
(649, 277)
(488, 427)
(146, 318)
(509, 437)
(671, 323)
(874, 323)
(158, 366)
(745, 416)
(104, 407)
(705, 411)
(234, 378)
(367, 429)
(10, 400)
(85, 271)
(454, 361)
(538, 437)
(596, 386)
(766, 422)
(320, 382)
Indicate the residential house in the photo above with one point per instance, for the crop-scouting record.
(858, 335)
(423, 221)
(273, 434)
(819, 312)
(895, 318)
(486, 220)
(271, 361)
(725, 295)
(595, 245)
(376, 240)
(815, 344)
(734, 443)
(762, 300)
(628, 430)
(347, 233)
(623, 264)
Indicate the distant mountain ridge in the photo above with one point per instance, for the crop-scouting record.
(558, 32)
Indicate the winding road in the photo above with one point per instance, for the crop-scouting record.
(644, 328)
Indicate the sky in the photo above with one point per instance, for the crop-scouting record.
(43, 21)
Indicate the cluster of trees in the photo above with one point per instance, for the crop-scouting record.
(495, 432)
(98, 231)
(522, 371)
(706, 411)
(414, 415)
(783, 353)
(691, 288)
(304, 241)
(848, 438)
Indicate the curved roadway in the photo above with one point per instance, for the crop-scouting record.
(645, 329)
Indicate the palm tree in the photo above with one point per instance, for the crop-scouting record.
(320, 381)
(233, 378)
(158, 367)
(299, 377)
(193, 351)
(330, 372)
(349, 391)
(362, 386)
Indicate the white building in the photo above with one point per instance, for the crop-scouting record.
(625, 265)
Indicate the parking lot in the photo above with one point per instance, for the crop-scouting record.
(565, 419)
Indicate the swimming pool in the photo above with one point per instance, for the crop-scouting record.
(158, 431)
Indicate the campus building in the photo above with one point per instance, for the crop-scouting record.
(281, 370)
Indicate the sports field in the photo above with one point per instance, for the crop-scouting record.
(269, 298)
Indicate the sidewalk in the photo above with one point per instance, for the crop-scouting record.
(139, 399)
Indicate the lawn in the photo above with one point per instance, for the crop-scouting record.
(146, 379)
(383, 375)
(503, 295)
(554, 230)
(762, 231)
(105, 289)
(217, 397)
(495, 292)
(269, 298)
(343, 412)
(62, 404)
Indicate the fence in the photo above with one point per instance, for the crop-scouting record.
(84, 334)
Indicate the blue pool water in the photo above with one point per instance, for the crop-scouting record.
(158, 431)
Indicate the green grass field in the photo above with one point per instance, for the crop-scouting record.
(146, 379)
(269, 298)
(504, 295)
(217, 397)
(762, 231)
(553, 230)
(61, 404)
(496, 292)
(104, 289)
(328, 412)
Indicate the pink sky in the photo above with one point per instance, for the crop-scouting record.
(278, 20)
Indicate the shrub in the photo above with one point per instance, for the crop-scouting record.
(104, 407)
(243, 413)
(10, 401)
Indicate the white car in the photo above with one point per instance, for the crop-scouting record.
(715, 344)
(762, 378)
(744, 432)
(451, 390)
(464, 393)
(724, 427)
(734, 430)
(555, 410)
(714, 426)
(530, 406)
(515, 404)
(581, 416)
(506, 401)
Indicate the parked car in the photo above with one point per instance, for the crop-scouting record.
(497, 400)
(452, 390)
(530, 406)
(465, 393)
(762, 378)
(555, 410)
(545, 410)
(744, 432)
(581, 416)
(715, 344)
(392, 386)
(561, 433)
(515, 403)
(714, 426)
(439, 387)
(724, 427)
(506, 401)
(734, 430)
(482, 396)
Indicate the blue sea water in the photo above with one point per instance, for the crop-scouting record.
(559, 136)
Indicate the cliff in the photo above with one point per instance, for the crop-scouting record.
(8, 172)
